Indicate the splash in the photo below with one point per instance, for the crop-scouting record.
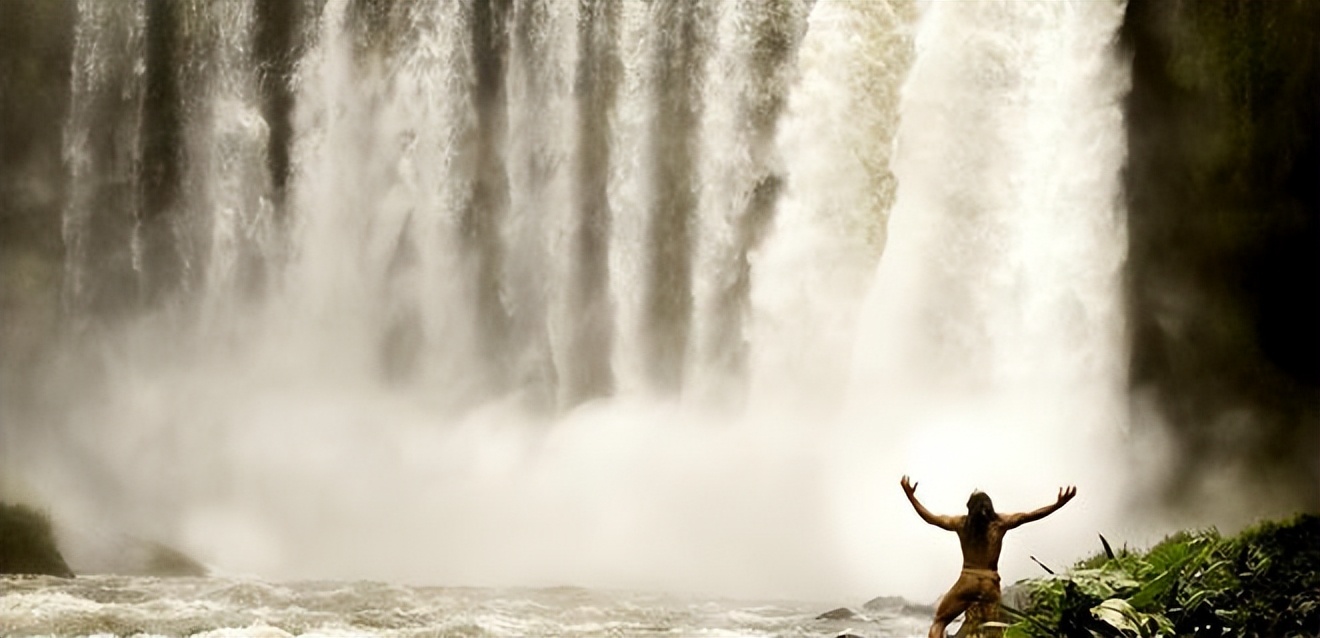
(614, 294)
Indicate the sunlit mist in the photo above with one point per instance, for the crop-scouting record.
(632, 296)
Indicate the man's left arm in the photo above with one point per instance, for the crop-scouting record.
(1065, 494)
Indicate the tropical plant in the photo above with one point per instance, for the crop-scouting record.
(1263, 582)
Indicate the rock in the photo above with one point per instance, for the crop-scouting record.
(27, 544)
(897, 606)
(99, 549)
(917, 609)
(161, 560)
(892, 604)
(1017, 595)
(842, 613)
(128, 555)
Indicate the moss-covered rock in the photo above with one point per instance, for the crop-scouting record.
(27, 543)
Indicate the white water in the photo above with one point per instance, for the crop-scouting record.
(354, 423)
(244, 608)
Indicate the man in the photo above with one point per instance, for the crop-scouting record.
(981, 533)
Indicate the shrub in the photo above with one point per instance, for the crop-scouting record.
(1263, 582)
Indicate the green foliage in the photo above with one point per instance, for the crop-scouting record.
(1263, 582)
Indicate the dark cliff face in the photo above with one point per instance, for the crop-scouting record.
(1223, 195)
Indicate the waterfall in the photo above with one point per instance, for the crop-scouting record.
(829, 230)
(991, 352)
(586, 308)
(101, 153)
(167, 153)
(533, 291)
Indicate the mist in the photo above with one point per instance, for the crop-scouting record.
(654, 297)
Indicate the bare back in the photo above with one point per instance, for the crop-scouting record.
(981, 550)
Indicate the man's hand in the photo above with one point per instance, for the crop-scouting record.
(951, 523)
(1065, 494)
(909, 488)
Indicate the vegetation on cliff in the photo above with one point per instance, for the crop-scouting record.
(27, 543)
(1263, 582)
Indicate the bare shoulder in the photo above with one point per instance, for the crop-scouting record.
(953, 523)
(1009, 521)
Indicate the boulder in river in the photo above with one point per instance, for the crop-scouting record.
(842, 613)
(897, 606)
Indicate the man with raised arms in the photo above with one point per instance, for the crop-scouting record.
(981, 533)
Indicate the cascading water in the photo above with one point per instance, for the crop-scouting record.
(991, 353)
(573, 293)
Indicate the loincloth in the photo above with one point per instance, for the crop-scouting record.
(982, 573)
(978, 586)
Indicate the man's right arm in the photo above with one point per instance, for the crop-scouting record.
(950, 523)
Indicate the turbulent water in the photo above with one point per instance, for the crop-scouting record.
(219, 608)
(633, 295)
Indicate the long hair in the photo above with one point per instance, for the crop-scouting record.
(980, 511)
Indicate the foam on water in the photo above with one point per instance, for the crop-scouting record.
(202, 608)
